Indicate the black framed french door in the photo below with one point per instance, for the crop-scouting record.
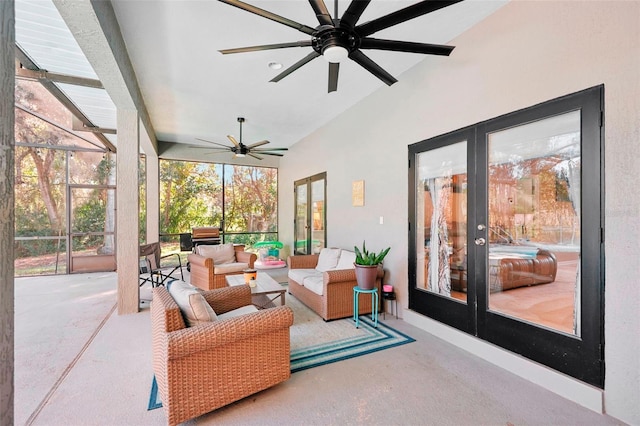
(506, 230)
(310, 226)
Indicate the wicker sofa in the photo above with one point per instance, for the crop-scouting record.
(204, 367)
(209, 265)
(325, 286)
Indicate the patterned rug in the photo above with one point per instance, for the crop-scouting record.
(315, 342)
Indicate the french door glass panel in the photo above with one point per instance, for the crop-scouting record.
(317, 216)
(441, 204)
(301, 219)
(310, 209)
(534, 221)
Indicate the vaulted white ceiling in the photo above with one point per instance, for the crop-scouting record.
(193, 91)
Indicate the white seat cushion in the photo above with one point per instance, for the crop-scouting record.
(229, 267)
(193, 306)
(314, 283)
(298, 275)
(221, 253)
(328, 259)
(347, 259)
(238, 312)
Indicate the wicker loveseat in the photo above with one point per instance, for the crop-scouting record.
(208, 273)
(324, 282)
(207, 366)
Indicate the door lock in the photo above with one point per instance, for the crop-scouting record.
(480, 241)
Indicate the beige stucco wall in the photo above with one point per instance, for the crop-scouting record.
(526, 53)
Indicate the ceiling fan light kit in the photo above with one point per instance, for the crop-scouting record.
(335, 54)
(337, 39)
(241, 150)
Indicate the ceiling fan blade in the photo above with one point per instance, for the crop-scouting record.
(406, 46)
(269, 149)
(333, 76)
(304, 43)
(254, 156)
(215, 152)
(258, 144)
(372, 67)
(354, 12)
(322, 13)
(266, 14)
(215, 143)
(402, 15)
(214, 149)
(295, 66)
(233, 141)
(272, 153)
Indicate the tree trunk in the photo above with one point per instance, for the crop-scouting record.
(44, 183)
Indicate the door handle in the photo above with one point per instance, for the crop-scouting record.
(480, 241)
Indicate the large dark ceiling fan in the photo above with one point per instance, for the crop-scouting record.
(336, 39)
(241, 150)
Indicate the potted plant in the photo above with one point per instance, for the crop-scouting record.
(366, 265)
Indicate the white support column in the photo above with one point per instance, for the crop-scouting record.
(153, 187)
(127, 215)
(7, 211)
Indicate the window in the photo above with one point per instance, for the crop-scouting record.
(241, 200)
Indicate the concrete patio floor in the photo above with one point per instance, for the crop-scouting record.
(79, 363)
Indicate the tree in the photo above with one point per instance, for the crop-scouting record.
(30, 129)
(186, 195)
(251, 199)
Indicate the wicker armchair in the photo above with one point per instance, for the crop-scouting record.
(207, 275)
(199, 369)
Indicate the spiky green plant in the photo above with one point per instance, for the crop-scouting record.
(364, 257)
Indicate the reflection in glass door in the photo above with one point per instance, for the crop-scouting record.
(441, 203)
(534, 221)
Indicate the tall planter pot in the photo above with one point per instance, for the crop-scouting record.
(366, 276)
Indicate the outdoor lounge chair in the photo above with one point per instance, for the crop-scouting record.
(151, 266)
(210, 365)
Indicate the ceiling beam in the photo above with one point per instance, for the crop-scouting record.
(54, 124)
(40, 75)
(61, 97)
(95, 27)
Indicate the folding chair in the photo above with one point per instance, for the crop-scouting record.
(151, 267)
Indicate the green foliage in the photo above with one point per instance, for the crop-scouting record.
(89, 217)
(367, 258)
(37, 247)
(189, 196)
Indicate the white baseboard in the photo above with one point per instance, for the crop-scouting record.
(567, 387)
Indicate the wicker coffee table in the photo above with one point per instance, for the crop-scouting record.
(265, 285)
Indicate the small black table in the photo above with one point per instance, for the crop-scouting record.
(389, 295)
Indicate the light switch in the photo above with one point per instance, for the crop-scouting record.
(381, 220)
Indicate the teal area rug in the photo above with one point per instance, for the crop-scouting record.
(363, 340)
(315, 342)
(154, 398)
